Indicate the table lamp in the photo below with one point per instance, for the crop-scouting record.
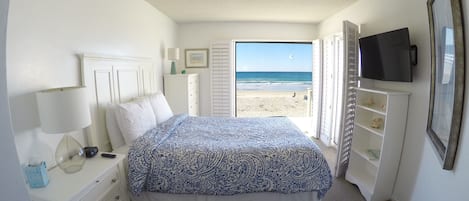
(62, 110)
(173, 56)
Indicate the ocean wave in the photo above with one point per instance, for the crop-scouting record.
(273, 82)
(273, 86)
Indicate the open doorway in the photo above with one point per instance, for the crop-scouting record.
(274, 79)
(335, 128)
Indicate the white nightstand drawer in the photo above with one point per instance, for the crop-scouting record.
(102, 185)
(93, 182)
(113, 195)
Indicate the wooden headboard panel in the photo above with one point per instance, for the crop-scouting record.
(113, 80)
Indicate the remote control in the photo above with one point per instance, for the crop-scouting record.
(106, 155)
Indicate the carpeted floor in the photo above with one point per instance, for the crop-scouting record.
(341, 189)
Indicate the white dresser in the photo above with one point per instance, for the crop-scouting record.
(182, 93)
(100, 179)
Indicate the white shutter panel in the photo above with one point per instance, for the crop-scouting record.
(327, 90)
(351, 82)
(317, 86)
(339, 74)
(222, 78)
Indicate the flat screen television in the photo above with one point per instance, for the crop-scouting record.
(387, 56)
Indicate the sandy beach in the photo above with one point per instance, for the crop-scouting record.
(271, 103)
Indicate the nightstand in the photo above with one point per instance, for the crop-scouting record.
(100, 179)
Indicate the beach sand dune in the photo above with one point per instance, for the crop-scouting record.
(271, 103)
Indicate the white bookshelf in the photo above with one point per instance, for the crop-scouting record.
(376, 148)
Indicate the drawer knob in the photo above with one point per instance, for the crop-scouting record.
(117, 197)
(113, 180)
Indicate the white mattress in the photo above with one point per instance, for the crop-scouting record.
(267, 196)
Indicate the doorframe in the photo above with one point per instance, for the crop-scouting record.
(12, 182)
(235, 41)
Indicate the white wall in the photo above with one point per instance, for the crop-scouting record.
(199, 35)
(420, 174)
(12, 183)
(43, 44)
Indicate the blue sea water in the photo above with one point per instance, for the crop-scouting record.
(273, 81)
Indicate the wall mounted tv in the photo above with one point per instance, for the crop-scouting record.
(387, 56)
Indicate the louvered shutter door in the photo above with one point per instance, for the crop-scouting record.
(339, 90)
(222, 81)
(317, 85)
(351, 82)
(327, 90)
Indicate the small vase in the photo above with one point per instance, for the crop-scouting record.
(173, 68)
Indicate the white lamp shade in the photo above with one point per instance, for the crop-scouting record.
(173, 54)
(63, 109)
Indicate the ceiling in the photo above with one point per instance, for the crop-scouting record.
(292, 11)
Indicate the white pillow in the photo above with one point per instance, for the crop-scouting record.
(134, 119)
(113, 130)
(161, 107)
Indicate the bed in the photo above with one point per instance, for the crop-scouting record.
(200, 158)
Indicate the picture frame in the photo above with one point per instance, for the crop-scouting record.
(447, 78)
(196, 58)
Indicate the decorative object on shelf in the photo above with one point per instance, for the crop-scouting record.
(62, 110)
(37, 175)
(383, 107)
(447, 78)
(183, 71)
(173, 56)
(373, 154)
(196, 58)
(377, 123)
(369, 102)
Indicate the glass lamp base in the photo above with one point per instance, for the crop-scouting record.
(173, 68)
(69, 155)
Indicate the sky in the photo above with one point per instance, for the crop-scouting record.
(273, 57)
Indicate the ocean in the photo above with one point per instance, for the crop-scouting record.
(273, 81)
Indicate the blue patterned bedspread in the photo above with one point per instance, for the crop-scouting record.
(226, 156)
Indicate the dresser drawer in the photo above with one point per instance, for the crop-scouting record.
(102, 185)
(191, 96)
(192, 86)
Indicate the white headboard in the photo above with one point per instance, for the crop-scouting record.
(112, 79)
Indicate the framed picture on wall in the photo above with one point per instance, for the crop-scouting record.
(196, 58)
(447, 78)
